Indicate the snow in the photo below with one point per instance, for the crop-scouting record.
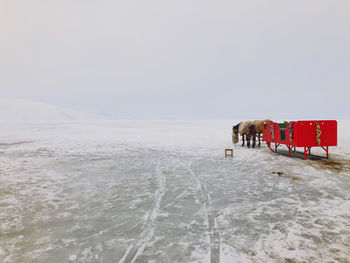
(24, 110)
(162, 191)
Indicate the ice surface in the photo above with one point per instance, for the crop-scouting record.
(162, 191)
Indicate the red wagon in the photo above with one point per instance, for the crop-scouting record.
(306, 134)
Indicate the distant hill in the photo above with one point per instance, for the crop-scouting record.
(24, 110)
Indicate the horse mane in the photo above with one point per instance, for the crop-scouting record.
(236, 126)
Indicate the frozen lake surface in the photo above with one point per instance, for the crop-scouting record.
(158, 191)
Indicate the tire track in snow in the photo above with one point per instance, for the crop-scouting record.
(137, 249)
(213, 228)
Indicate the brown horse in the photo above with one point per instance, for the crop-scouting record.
(257, 128)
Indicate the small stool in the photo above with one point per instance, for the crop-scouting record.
(228, 153)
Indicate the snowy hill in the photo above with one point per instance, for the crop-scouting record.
(23, 110)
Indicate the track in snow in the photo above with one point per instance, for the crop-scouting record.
(213, 230)
(135, 250)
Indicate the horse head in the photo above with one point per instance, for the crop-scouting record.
(235, 129)
(235, 133)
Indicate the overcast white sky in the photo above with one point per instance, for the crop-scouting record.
(179, 59)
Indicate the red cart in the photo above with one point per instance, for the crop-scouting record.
(306, 134)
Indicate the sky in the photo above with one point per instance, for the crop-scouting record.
(183, 59)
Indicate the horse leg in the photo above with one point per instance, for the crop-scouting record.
(254, 140)
(243, 139)
(259, 139)
(248, 141)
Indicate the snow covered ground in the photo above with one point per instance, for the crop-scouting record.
(162, 191)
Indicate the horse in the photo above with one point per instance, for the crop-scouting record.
(246, 130)
(257, 128)
(249, 130)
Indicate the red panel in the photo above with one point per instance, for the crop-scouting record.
(267, 135)
(305, 133)
(288, 140)
(277, 132)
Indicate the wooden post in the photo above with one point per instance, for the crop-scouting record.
(228, 153)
